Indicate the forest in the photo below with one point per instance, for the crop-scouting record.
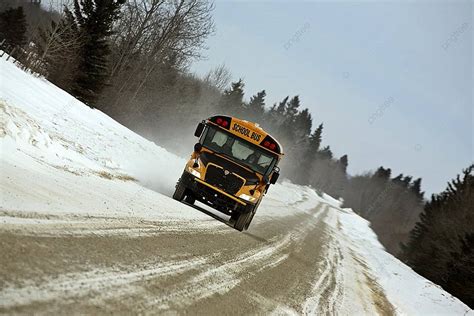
(130, 59)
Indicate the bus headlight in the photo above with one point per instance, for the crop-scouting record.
(247, 197)
(195, 173)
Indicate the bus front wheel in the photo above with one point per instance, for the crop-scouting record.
(254, 210)
(243, 221)
(180, 191)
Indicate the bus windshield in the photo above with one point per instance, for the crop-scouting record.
(239, 150)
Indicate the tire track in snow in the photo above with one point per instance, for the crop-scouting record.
(81, 284)
(226, 276)
(344, 275)
(221, 279)
(327, 289)
(270, 306)
(42, 226)
(327, 292)
(281, 288)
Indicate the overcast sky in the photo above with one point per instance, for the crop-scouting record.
(391, 81)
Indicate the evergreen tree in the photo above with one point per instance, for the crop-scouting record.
(280, 109)
(276, 117)
(292, 107)
(13, 27)
(382, 173)
(406, 181)
(460, 270)
(344, 162)
(256, 105)
(308, 168)
(398, 179)
(95, 19)
(325, 153)
(232, 101)
(416, 188)
(315, 139)
(302, 124)
(442, 242)
(297, 123)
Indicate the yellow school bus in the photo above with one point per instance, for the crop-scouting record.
(231, 168)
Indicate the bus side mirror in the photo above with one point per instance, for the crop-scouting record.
(198, 147)
(274, 177)
(199, 130)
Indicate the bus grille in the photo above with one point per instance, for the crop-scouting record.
(228, 183)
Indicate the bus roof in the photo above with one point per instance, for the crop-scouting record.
(248, 131)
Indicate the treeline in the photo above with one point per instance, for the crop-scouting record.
(391, 204)
(130, 60)
(104, 60)
(441, 247)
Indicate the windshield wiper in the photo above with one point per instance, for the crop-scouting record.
(225, 155)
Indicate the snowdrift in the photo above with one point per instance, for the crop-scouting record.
(59, 156)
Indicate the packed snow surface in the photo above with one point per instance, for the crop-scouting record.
(62, 162)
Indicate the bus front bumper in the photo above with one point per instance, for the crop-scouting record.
(214, 197)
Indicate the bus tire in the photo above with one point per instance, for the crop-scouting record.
(242, 220)
(178, 194)
(252, 214)
(254, 210)
(233, 218)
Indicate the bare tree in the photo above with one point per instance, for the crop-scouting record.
(218, 77)
(152, 34)
(57, 50)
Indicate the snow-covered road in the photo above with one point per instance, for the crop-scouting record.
(82, 264)
(87, 226)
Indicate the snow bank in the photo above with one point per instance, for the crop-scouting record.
(59, 156)
(45, 121)
(407, 291)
